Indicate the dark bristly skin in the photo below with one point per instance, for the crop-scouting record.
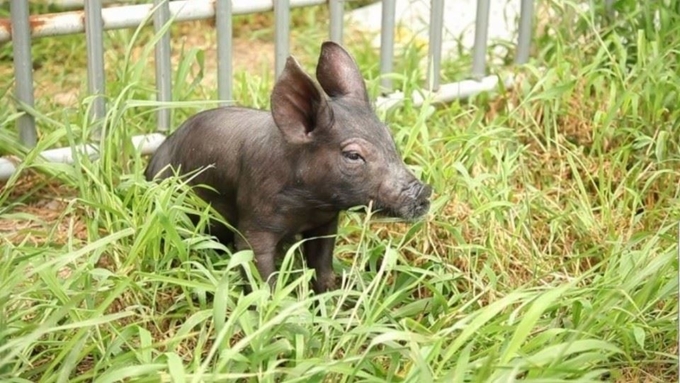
(293, 170)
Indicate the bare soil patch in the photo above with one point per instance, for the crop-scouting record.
(43, 217)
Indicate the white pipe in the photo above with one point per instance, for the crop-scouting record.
(446, 93)
(146, 144)
(67, 4)
(131, 16)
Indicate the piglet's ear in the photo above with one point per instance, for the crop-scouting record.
(339, 74)
(299, 108)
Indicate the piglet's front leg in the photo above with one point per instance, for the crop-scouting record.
(319, 254)
(264, 245)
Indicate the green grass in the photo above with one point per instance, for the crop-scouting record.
(550, 253)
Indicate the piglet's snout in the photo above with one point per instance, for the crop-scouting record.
(419, 194)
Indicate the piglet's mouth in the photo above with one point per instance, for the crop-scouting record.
(417, 210)
(409, 212)
(410, 207)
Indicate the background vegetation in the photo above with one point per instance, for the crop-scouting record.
(550, 253)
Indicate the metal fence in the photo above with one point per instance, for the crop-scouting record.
(94, 19)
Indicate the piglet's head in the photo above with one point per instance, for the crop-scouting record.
(343, 154)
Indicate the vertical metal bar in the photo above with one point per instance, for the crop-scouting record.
(609, 8)
(95, 60)
(387, 42)
(524, 39)
(336, 13)
(23, 69)
(163, 66)
(224, 50)
(481, 32)
(282, 27)
(435, 44)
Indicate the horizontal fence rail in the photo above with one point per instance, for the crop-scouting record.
(94, 19)
(131, 16)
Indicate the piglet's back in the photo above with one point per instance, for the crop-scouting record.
(216, 137)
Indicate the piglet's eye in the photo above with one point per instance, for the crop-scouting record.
(353, 156)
